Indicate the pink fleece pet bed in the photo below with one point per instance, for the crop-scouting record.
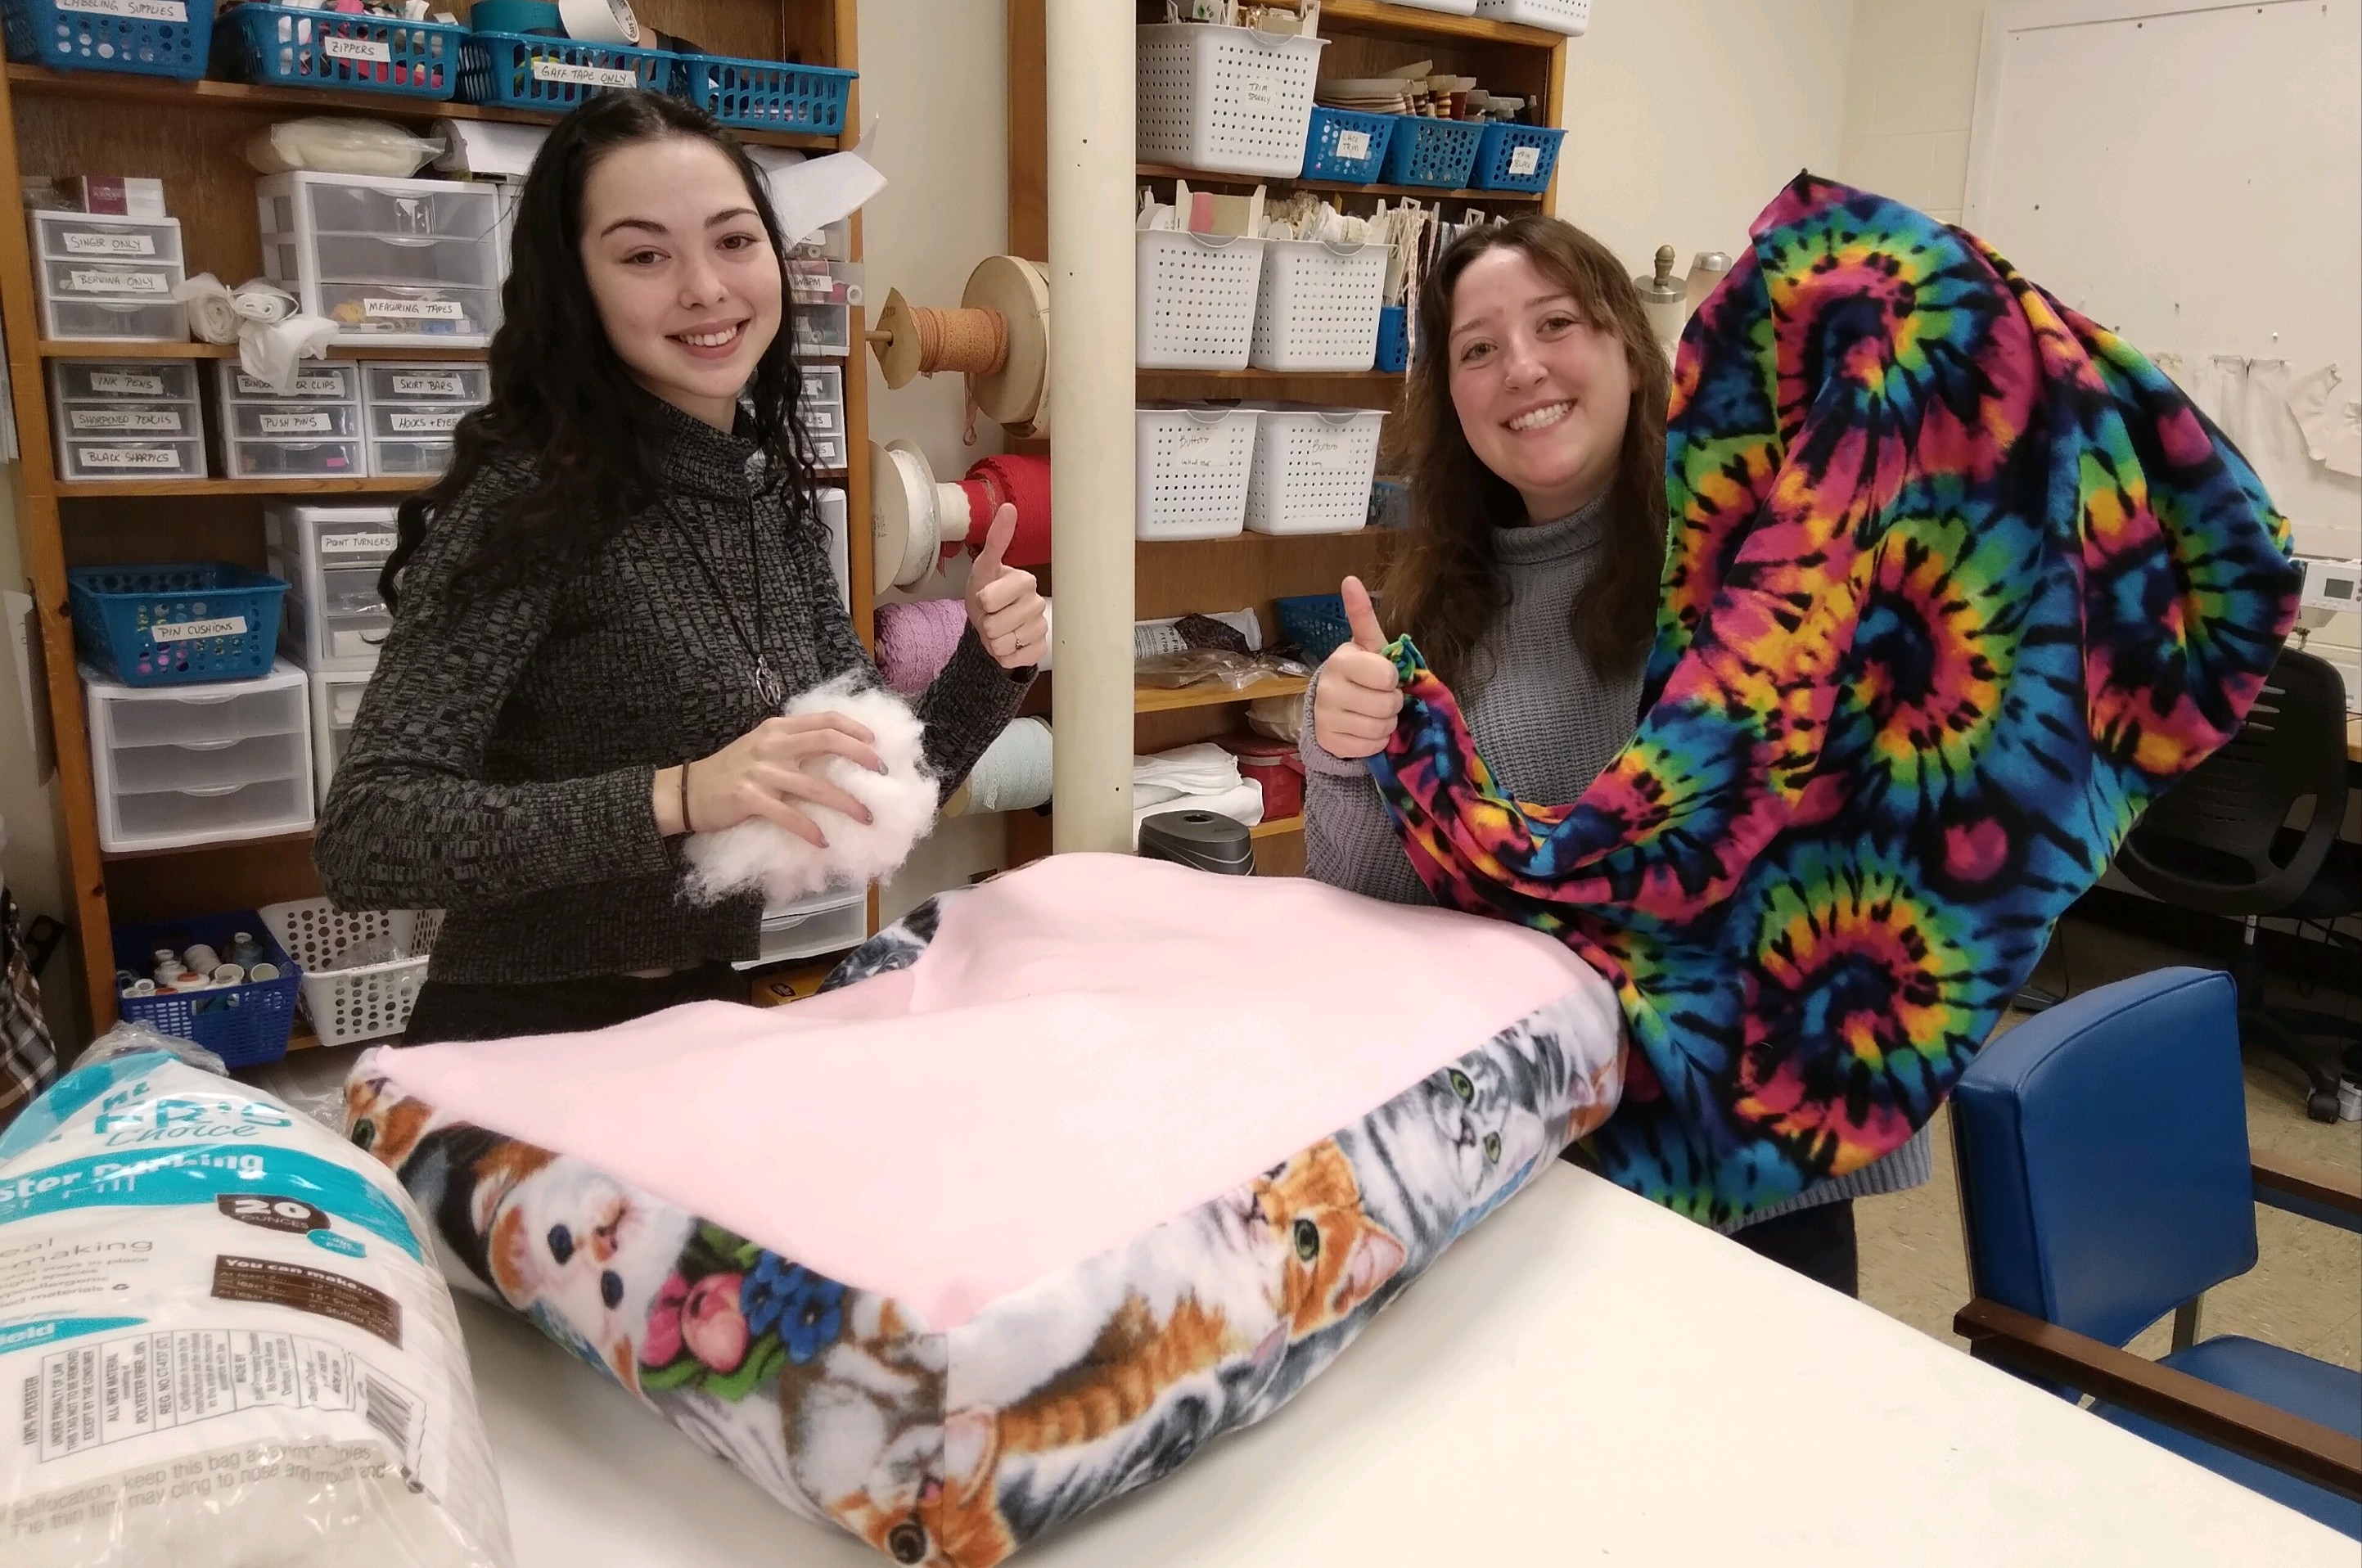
(1064, 1175)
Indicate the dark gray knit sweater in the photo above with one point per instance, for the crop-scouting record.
(502, 764)
(1547, 722)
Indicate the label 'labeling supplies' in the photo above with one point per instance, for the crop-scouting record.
(136, 10)
(196, 631)
(583, 75)
(101, 243)
(81, 280)
(414, 310)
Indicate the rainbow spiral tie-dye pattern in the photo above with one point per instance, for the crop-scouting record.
(1958, 583)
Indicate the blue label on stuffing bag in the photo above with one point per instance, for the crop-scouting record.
(199, 1176)
(344, 1246)
(70, 1094)
(50, 1330)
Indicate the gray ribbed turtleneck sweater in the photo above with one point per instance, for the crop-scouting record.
(1547, 722)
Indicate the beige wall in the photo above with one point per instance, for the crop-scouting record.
(1685, 118)
(933, 75)
(1910, 94)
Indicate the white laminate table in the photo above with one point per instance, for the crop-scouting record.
(1585, 1378)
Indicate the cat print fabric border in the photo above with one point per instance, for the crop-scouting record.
(957, 1448)
(1958, 583)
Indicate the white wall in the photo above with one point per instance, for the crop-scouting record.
(934, 75)
(1685, 118)
(1910, 94)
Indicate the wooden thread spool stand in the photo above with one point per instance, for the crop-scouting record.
(999, 339)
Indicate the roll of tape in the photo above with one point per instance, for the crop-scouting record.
(525, 17)
(599, 21)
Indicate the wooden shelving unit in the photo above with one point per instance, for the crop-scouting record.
(1333, 187)
(1177, 698)
(192, 135)
(1367, 38)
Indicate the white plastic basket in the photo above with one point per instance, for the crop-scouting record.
(1227, 100)
(1193, 465)
(371, 1000)
(1312, 470)
(1316, 307)
(1571, 17)
(1449, 7)
(1195, 307)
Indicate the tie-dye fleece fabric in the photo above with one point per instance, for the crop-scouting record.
(1958, 583)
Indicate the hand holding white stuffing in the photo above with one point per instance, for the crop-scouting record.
(1003, 604)
(1360, 693)
(767, 773)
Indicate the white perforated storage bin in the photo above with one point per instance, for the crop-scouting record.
(1449, 7)
(174, 765)
(103, 277)
(825, 922)
(1312, 470)
(1316, 307)
(389, 260)
(1195, 307)
(1227, 100)
(333, 616)
(336, 703)
(1192, 466)
(365, 1000)
(1571, 17)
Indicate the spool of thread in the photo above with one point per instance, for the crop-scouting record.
(1014, 773)
(202, 958)
(972, 342)
(141, 988)
(244, 950)
(1023, 481)
(262, 972)
(916, 640)
(228, 975)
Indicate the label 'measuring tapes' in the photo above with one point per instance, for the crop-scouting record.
(99, 243)
(81, 280)
(583, 75)
(413, 310)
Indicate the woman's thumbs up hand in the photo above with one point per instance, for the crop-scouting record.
(1354, 704)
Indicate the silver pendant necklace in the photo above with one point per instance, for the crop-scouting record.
(769, 689)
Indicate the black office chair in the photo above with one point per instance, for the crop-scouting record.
(2214, 843)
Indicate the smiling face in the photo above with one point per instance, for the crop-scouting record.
(687, 284)
(1542, 389)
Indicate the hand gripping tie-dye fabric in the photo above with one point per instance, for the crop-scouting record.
(1958, 583)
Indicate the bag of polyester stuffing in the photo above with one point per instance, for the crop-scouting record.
(222, 1341)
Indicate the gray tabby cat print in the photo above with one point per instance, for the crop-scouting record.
(957, 1448)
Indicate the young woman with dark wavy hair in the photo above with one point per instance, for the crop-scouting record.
(601, 608)
(1536, 432)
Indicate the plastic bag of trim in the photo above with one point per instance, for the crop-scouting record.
(222, 1341)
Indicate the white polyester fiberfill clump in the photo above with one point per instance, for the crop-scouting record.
(759, 854)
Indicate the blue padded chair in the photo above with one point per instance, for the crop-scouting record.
(2105, 1181)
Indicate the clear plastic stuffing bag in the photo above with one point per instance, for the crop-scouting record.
(224, 1343)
